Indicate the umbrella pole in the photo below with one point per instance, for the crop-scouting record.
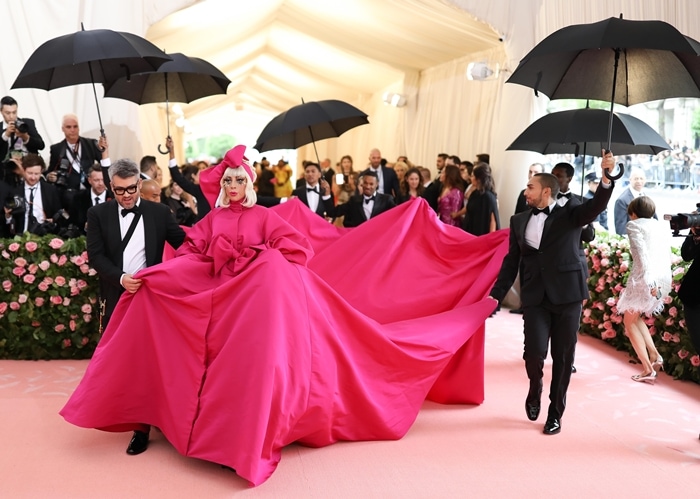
(583, 167)
(610, 122)
(97, 104)
(167, 115)
(318, 161)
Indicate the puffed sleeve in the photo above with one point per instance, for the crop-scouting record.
(280, 235)
(198, 237)
(640, 252)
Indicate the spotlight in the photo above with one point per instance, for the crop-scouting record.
(393, 99)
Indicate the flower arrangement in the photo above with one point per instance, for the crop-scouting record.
(609, 261)
(48, 299)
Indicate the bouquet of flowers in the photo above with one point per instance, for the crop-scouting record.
(48, 299)
(609, 261)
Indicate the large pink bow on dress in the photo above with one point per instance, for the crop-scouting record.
(224, 253)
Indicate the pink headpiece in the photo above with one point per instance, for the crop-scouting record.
(209, 179)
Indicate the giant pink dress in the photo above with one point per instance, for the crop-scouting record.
(236, 348)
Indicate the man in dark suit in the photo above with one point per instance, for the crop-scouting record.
(593, 181)
(125, 235)
(636, 188)
(362, 207)
(87, 198)
(71, 159)
(388, 181)
(41, 199)
(19, 137)
(544, 245)
(316, 193)
(327, 171)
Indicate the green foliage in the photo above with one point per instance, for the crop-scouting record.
(215, 146)
(48, 297)
(695, 124)
(609, 261)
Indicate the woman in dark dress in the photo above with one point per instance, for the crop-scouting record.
(411, 186)
(481, 215)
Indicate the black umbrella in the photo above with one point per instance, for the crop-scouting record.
(581, 62)
(580, 130)
(92, 56)
(308, 122)
(183, 79)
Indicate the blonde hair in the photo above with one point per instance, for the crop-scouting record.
(250, 197)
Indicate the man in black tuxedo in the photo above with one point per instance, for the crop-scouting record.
(316, 193)
(125, 235)
(388, 182)
(362, 207)
(71, 160)
(636, 188)
(41, 199)
(433, 190)
(87, 198)
(544, 245)
(19, 137)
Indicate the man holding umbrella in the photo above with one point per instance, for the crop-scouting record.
(544, 245)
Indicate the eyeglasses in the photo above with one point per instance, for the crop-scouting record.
(229, 181)
(119, 191)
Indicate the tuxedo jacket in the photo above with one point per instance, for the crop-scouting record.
(391, 181)
(35, 144)
(354, 211)
(621, 215)
(82, 202)
(689, 292)
(88, 153)
(325, 206)
(602, 219)
(432, 193)
(193, 189)
(50, 199)
(555, 269)
(104, 240)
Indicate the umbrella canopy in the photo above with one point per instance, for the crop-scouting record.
(656, 62)
(183, 79)
(308, 122)
(88, 56)
(579, 130)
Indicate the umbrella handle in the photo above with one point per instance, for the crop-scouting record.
(167, 150)
(619, 175)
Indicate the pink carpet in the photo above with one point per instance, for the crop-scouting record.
(619, 439)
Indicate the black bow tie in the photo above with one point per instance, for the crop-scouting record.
(367, 200)
(133, 210)
(562, 195)
(311, 189)
(537, 211)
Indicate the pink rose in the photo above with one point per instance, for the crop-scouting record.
(673, 311)
(617, 319)
(86, 309)
(43, 286)
(79, 261)
(586, 320)
(60, 281)
(33, 268)
(7, 285)
(91, 272)
(14, 305)
(611, 301)
(48, 280)
(3, 307)
(36, 323)
(62, 260)
(683, 353)
(22, 298)
(85, 341)
(676, 338)
(59, 328)
(20, 262)
(74, 291)
(666, 336)
(19, 271)
(13, 247)
(29, 279)
(66, 301)
(608, 334)
(669, 321)
(31, 246)
(56, 243)
(66, 343)
(85, 268)
(56, 300)
(38, 301)
(667, 299)
(624, 267)
(84, 255)
(587, 312)
(607, 325)
(71, 325)
(604, 262)
(695, 360)
(5, 254)
(87, 318)
(81, 284)
(44, 265)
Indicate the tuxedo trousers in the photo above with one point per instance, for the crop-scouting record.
(692, 322)
(556, 323)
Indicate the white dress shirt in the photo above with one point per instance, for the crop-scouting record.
(368, 206)
(135, 251)
(38, 208)
(535, 227)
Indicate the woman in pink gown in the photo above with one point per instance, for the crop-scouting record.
(452, 196)
(235, 349)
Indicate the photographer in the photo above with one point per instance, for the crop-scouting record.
(689, 292)
(71, 159)
(31, 201)
(19, 137)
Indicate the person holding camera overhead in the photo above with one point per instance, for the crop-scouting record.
(72, 158)
(32, 203)
(19, 137)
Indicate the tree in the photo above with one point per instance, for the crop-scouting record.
(215, 146)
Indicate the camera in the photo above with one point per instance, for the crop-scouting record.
(16, 204)
(62, 173)
(21, 126)
(683, 221)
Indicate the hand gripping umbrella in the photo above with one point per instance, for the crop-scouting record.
(183, 79)
(577, 130)
(89, 56)
(581, 61)
(309, 122)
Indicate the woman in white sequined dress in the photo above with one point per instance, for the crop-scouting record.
(648, 283)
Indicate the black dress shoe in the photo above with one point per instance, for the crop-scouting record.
(532, 411)
(516, 311)
(532, 402)
(138, 443)
(573, 368)
(552, 426)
